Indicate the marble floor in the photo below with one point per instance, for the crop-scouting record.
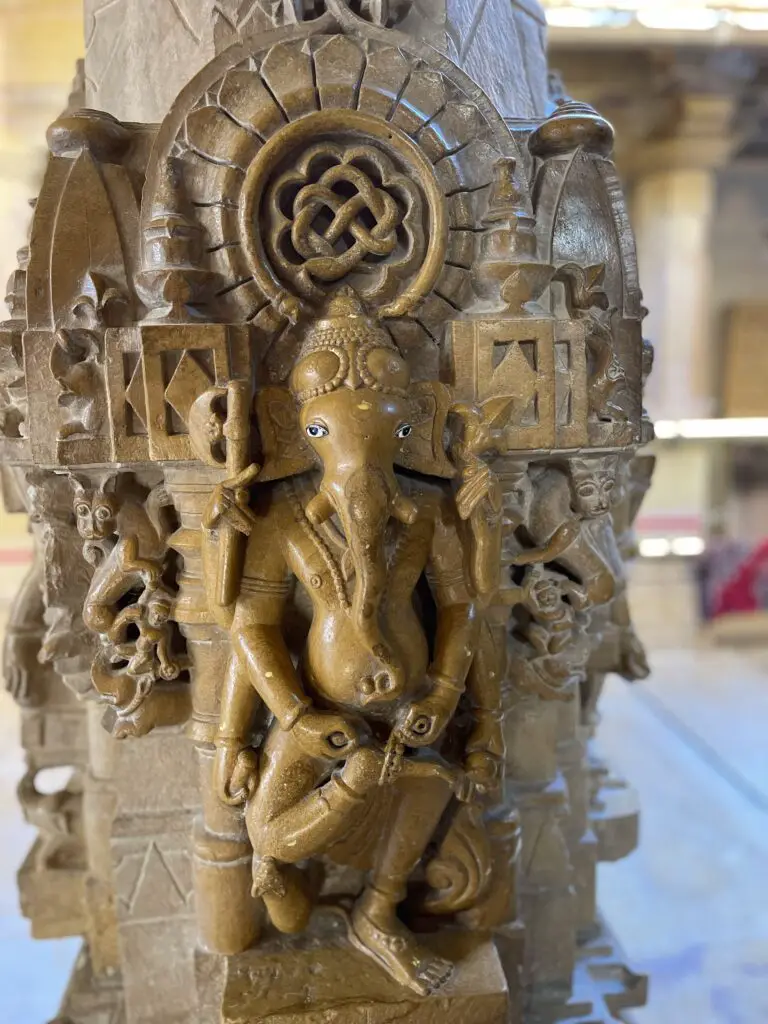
(690, 906)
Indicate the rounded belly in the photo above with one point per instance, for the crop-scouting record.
(340, 671)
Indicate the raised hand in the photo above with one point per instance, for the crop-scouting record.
(229, 502)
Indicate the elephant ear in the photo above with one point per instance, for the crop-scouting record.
(285, 450)
(424, 449)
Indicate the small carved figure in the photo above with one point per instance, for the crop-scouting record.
(587, 301)
(125, 540)
(149, 653)
(52, 814)
(13, 392)
(555, 633)
(77, 358)
(553, 619)
(23, 640)
(76, 365)
(607, 377)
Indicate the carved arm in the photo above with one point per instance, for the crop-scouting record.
(123, 619)
(423, 722)
(262, 665)
(169, 668)
(129, 562)
(485, 746)
(457, 620)
(270, 669)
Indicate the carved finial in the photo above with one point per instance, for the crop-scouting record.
(509, 270)
(173, 282)
(573, 125)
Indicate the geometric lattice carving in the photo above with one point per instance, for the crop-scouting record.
(188, 381)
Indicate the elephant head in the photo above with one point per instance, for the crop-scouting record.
(352, 390)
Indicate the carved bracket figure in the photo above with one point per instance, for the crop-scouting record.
(56, 816)
(126, 540)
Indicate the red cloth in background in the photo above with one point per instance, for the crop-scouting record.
(741, 592)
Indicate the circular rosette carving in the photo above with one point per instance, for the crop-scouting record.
(344, 212)
(321, 206)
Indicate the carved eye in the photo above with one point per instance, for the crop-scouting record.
(608, 485)
(317, 430)
(103, 512)
(82, 510)
(404, 431)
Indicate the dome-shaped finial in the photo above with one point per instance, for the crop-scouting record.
(343, 320)
(343, 304)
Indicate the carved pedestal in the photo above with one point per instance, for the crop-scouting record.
(323, 389)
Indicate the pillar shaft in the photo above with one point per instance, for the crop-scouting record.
(140, 53)
(673, 215)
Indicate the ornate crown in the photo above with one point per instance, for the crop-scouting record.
(345, 346)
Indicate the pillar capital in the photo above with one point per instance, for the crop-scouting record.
(700, 137)
(701, 94)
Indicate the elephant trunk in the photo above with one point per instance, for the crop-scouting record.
(365, 503)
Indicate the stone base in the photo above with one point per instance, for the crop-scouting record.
(92, 1000)
(53, 899)
(615, 819)
(316, 979)
(319, 979)
(603, 988)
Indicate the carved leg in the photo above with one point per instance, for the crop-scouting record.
(591, 691)
(376, 929)
(294, 815)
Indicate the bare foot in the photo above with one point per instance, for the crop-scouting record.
(396, 950)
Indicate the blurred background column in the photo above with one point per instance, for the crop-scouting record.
(673, 178)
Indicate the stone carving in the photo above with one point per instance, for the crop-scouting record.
(125, 540)
(500, 46)
(341, 221)
(13, 391)
(54, 816)
(77, 360)
(328, 424)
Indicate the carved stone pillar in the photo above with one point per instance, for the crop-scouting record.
(674, 180)
(330, 406)
(161, 44)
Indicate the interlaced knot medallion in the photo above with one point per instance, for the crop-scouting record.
(341, 211)
(317, 238)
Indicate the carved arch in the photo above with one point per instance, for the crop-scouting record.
(398, 111)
